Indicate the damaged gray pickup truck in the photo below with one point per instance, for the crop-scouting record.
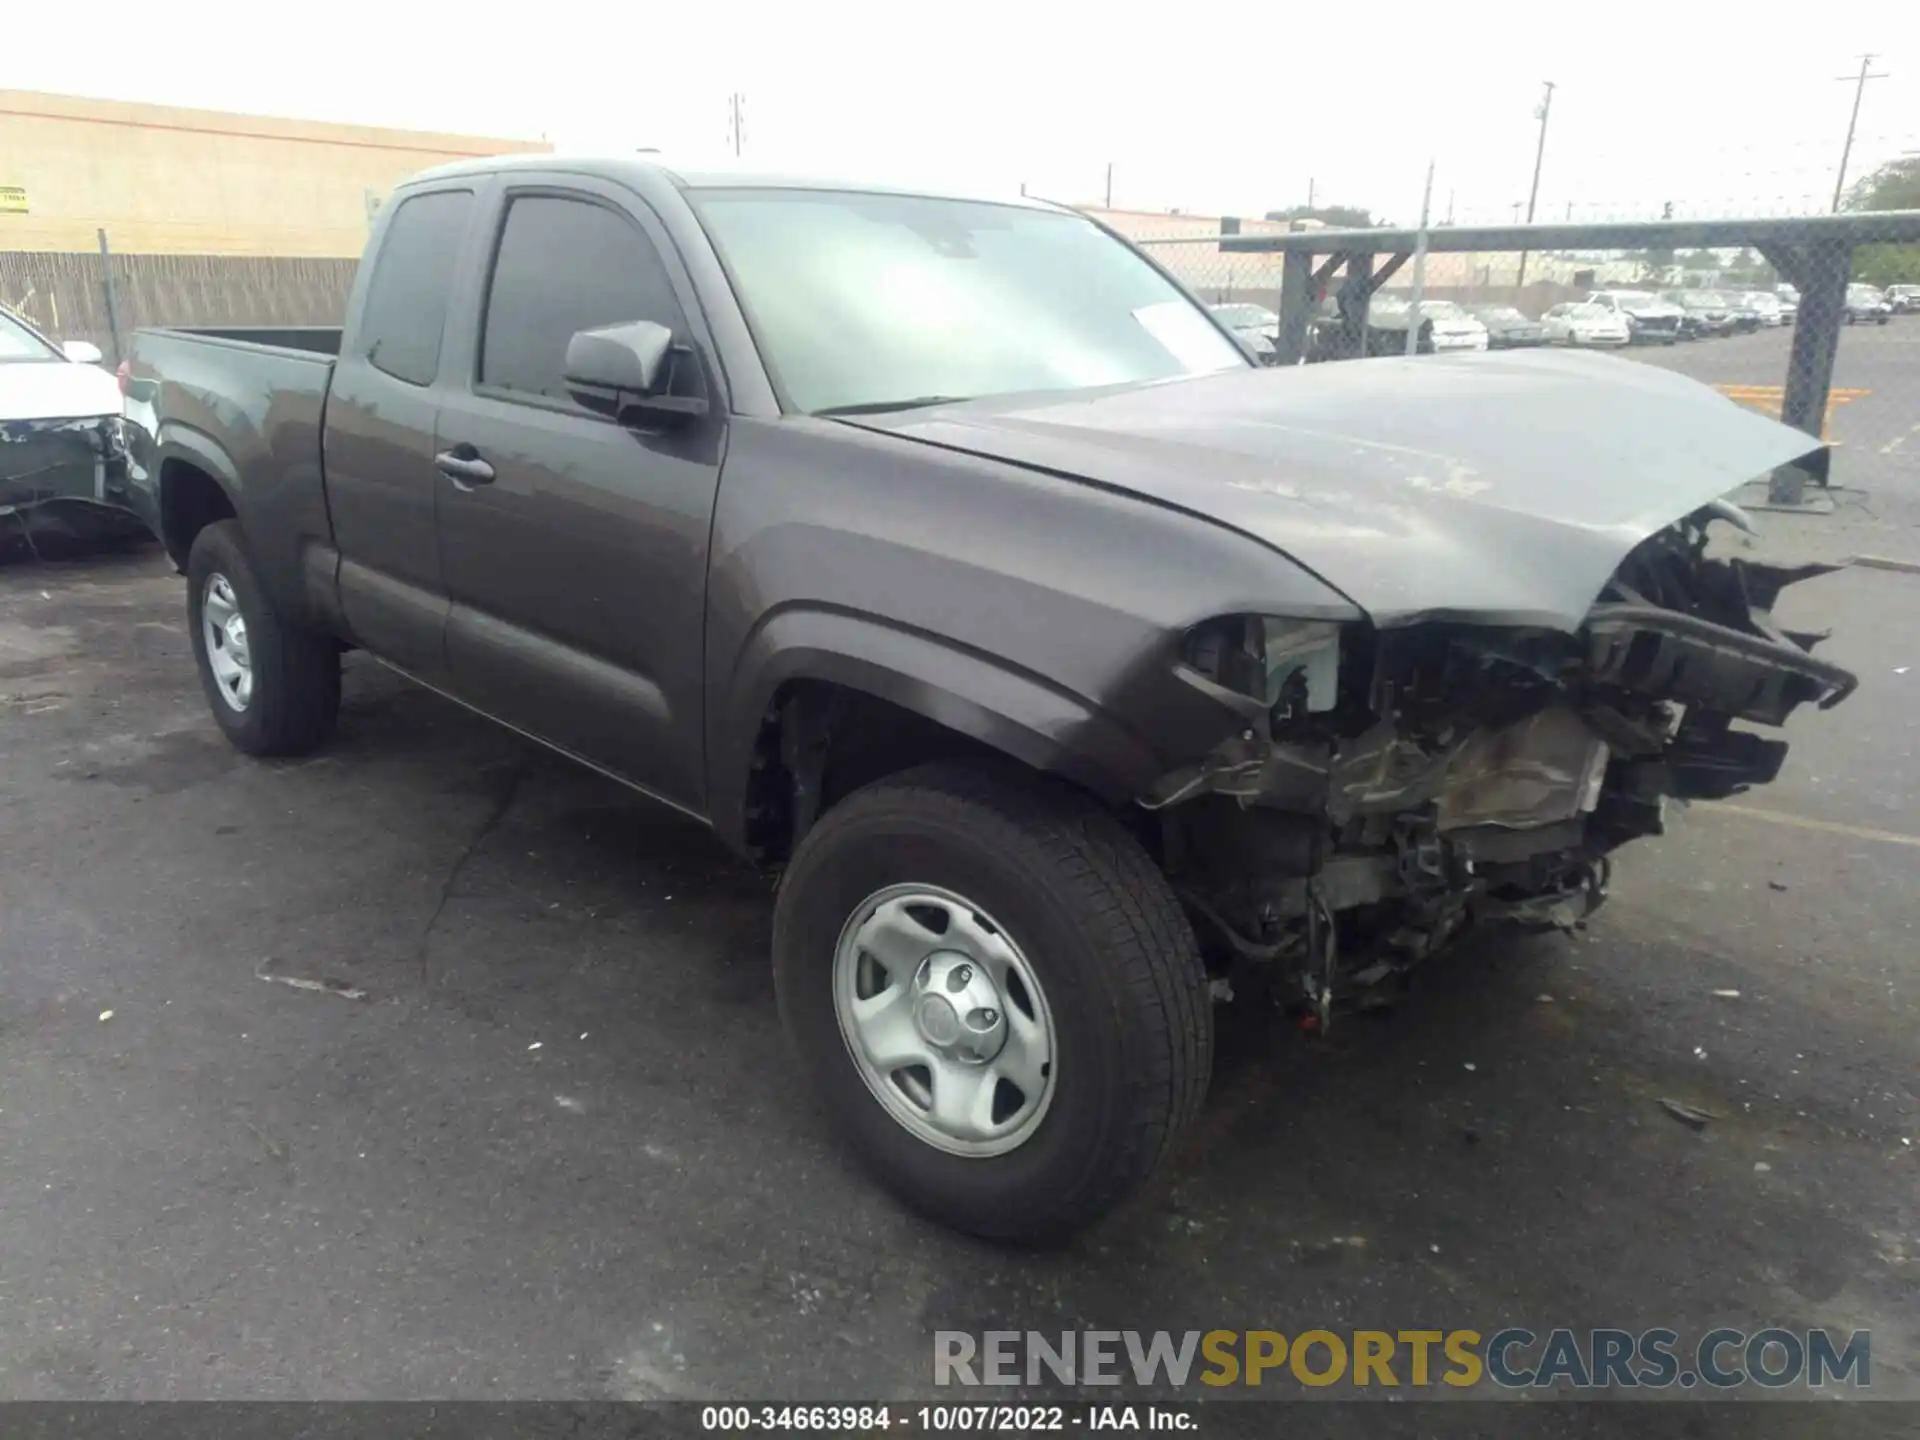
(949, 558)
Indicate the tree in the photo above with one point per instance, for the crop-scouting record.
(1749, 270)
(1654, 262)
(1894, 186)
(1334, 217)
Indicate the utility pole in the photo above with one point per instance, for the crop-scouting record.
(1109, 204)
(736, 121)
(1419, 266)
(1859, 83)
(1539, 154)
(1309, 192)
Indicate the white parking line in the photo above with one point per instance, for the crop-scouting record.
(1898, 440)
(1800, 822)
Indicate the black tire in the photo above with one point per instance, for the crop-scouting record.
(1102, 931)
(296, 672)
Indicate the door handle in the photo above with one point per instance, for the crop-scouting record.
(465, 470)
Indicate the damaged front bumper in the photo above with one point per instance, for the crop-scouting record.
(1384, 789)
(51, 463)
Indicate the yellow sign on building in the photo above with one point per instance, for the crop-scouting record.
(13, 199)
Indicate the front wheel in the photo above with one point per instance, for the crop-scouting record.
(273, 686)
(996, 994)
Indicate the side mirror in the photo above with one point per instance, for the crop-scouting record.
(82, 352)
(625, 371)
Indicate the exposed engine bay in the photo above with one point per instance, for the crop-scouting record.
(1388, 788)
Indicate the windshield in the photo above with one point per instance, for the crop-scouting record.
(1442, 310)
(865, 300)
(1246, 317)
(1634, 297)
(19, 343)
(1591, 312)
(1504, 313)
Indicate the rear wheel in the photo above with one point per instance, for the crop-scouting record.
(996, 994)
(273, 686)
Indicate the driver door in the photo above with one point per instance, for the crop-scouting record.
(575, 548)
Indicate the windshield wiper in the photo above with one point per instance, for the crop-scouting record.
(880, 407)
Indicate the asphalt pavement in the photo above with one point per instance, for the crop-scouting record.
(1875, 424)
(434, 1066)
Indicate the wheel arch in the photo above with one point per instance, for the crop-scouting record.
(199, 484)
(813, 679)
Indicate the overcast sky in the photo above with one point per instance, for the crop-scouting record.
(1212, 108)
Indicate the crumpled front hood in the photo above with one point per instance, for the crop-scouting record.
(56, 390)
(1496, 488)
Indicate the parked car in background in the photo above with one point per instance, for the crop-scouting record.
(1444, 327)
(1904, 299)
(1507, 328)
(1767, 306)
(1867, 306)
(1742, 318)
(1789, 299)
(1255, 326)
(1650, 320)
(63, 458)
(1703, 313)
(1579, 323)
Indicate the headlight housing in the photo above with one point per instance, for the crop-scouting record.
(1281, 663)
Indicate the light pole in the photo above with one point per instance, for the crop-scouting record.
(1539, 154)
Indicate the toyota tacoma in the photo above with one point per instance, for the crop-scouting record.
(948, 558)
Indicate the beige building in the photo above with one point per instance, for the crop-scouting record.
(167, 181)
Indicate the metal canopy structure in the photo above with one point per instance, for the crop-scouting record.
(1813, 252)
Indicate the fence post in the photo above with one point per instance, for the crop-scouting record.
(106, 286)
(1820, 272)
(1355, 300)
(1419, 267)
(1296, 305)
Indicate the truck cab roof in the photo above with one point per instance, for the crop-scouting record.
(641, 172)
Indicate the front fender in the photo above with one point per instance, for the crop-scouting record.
(1021, 715)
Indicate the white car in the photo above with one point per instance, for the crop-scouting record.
(1649, 319)
(1576, 323)
(1444, 327)
(1771, 309)
(63, 467)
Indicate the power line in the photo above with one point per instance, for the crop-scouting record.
(1846, 151)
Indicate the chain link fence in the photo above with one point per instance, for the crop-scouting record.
(1781, 316)
(92, 296)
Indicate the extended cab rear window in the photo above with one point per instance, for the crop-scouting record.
(407, 299)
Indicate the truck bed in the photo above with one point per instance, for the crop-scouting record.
(239, 402)
(305, 340)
